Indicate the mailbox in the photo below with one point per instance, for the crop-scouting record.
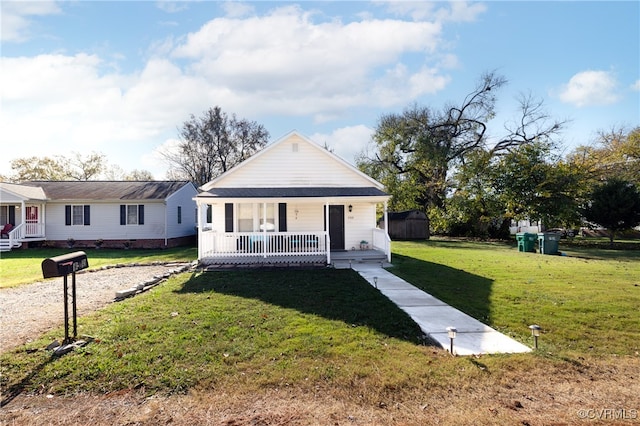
(65, 264)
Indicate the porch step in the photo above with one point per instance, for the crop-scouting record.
(358, 256)
(6, 246)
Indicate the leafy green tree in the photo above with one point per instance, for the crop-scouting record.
(212, 144)
(416, 152)
(37, 168)
(613, 154)
(77, 167)
(614, 205)
(533, 183)
(474, 209)
(90, 167)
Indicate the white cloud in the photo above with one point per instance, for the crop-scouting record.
(15, 24)
(236, 9)
(454, 11)
(589, 88)
(287, 63)
(298, 66)
(172, 6)
(347, 142)
(636, 86)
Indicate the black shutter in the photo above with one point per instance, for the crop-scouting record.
(209, 214)
(123, 214)
(87, 215)
(228, 217)
(282, 217)
(67, 215)
(141, 214)
(12, 215)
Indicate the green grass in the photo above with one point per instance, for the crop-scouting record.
(267, 327)
(24, 266)
(326, 328)
(585, 301)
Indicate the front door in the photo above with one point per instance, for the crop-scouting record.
(336, 227)
(32, 221)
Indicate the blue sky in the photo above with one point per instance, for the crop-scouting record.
(118, 78)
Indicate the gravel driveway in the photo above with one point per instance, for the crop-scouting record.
(29, 310)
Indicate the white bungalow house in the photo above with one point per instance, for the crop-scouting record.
(149, 214)
(294, 201)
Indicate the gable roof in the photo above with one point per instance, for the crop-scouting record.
(108, 190)
(21, 191)
(289, 177)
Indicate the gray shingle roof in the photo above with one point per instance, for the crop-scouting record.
(108, 190)
(292, 192)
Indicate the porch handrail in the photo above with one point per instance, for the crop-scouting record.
(264, 244)
(16, 234)
(382, 242)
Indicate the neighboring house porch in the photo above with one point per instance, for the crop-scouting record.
(22, 215)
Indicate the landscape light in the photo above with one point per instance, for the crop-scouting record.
(375, 281)
(535, 332)
(452, 332)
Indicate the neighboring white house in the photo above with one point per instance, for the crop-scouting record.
(294, 201)
(149, 214)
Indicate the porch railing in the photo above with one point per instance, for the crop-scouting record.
(266, 244)
(382, 242)
(33, 230)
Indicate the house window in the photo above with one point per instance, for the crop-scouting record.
(179, 214)
(77, 215)
(245, 217)
(131, 214)
(251, 217)
(270, 217)
(209, 214)
(4, 215)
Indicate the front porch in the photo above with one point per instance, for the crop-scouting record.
(284, 248)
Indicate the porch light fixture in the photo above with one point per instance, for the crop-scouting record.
(375, 281)
(535, 332)
(452, 332)
(350, 208)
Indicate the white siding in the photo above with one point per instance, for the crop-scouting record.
(105, 222)
(294, 162)
(183, 198)
(359, 225)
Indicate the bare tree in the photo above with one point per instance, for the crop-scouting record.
(416, 150)
(212, 144)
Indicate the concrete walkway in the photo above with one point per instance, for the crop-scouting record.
(434, 316)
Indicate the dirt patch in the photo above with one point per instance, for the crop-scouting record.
(574, 394)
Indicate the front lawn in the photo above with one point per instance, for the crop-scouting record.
(24, 266)
(329, 345)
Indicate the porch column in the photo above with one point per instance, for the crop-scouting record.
(386, 219)
(264, 230)
(199, 205)
(386, 231)
(327, 240)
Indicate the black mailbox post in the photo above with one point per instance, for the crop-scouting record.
(61, 266)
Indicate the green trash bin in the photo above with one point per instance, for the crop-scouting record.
(526, 242)
(548, 242)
